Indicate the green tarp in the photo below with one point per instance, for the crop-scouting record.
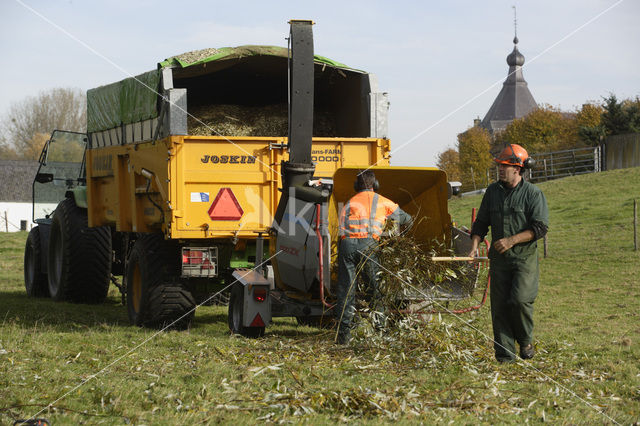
(225, 53)
(135, 99)
(128, 101)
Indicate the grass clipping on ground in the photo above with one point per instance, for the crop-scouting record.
(412, 289)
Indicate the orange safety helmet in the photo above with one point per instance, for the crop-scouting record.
(515, 155)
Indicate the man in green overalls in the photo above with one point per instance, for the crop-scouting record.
(517, 213)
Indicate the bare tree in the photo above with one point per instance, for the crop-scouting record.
(59, 108)
(7, 152)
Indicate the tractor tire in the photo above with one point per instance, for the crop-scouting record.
(155, 298)
(35, 281)
(171, 306)
(236, 303)
(79, 261)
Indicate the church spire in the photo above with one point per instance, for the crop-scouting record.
(515, 99)
(515, 25)
(515, 58)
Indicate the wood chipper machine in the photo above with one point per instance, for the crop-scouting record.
(302, 240)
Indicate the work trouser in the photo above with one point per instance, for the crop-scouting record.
(355, 256)
(514, 287)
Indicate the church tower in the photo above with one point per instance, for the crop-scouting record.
(514, 100)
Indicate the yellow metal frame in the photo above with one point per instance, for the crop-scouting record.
(154, 186)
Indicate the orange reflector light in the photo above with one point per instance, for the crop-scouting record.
(225, 206)
(199, 261)
(192, 257)
(260, 294)
(257, 322)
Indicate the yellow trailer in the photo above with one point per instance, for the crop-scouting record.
(198, 187)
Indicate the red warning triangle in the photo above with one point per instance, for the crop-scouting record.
(257, 321)
(225, 206)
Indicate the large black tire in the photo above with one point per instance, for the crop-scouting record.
(155, 297)
(236, 302)
(171, 305)
(79, 261)
(35, 281)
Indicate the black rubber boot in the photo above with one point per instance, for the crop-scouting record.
(343, 338)
(527, 352)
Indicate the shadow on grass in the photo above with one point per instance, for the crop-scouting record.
(18, 308)
(284, 327)
(202, 319)
(31, 312)
(288, 327)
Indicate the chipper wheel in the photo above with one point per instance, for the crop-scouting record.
(155, 297)
(79, 261)
(236, 303)
(35, 281)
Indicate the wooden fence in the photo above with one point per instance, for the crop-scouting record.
(621, 151)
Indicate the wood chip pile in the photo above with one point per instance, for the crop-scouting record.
(241, 120)
(195, 55)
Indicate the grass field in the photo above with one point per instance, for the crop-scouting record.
(84, 364)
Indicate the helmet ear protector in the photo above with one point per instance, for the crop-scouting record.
(529, 163)
(359, 184)
(514, 160)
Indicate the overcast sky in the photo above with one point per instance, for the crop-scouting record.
(443, 63)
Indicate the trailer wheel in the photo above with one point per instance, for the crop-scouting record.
(154, 296)
(79, 261)
(236, 303)
(136, 292)
(35, 281)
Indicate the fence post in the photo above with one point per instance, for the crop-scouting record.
(573, 154)
(6, 221)
(473, 179)
(603, 154)
(635, 225)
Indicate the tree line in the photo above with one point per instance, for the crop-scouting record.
(28, 124)
(545, 129)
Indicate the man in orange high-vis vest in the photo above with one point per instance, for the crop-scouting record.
(362, 221)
